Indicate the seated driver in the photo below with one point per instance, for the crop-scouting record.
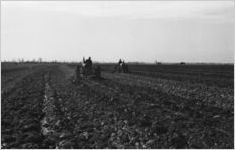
(89, 62)
(120, 61)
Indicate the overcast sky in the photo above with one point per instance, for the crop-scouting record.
(168, 31)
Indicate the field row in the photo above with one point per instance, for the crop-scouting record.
(46, 109)
(131, 116)
(21, 113)
(210, 75)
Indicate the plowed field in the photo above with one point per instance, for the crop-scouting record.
(151, 107)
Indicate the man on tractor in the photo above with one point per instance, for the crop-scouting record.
(120, 62)
(86, 69)
(88, 66)
(89, 62)
(119, 65)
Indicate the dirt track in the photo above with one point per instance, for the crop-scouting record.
(120, 111)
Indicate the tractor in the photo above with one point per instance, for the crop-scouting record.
(121, 67)
(87, 70)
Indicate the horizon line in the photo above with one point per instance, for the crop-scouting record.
(114, 62)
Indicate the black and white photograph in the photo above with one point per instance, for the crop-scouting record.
(109, 74)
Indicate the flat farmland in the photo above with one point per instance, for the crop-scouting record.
(153, 106)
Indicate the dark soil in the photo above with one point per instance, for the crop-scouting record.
(134, 110)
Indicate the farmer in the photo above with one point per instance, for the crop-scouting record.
(120, 62)
(88, 61)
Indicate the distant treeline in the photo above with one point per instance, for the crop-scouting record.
(111, 63)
